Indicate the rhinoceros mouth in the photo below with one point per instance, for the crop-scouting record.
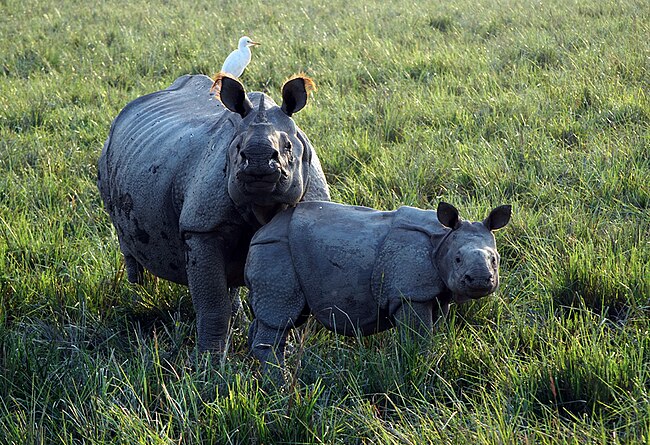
(259, 182)
(478, 292)
(460, 299)
(466, 293)
(260, 187)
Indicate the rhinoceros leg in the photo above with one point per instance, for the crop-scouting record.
(277, 301)
(267, 345)
(134, 270)
(415, 319)
(206, 277)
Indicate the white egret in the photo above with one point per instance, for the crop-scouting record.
(237, 60)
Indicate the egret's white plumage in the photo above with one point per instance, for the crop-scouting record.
(237, 60)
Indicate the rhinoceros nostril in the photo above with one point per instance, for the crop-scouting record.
(468, 278)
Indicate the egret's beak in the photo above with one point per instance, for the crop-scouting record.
(254, 43)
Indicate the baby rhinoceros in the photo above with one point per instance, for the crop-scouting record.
(360, 271)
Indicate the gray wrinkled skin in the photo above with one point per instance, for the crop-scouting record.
(360, 271)
(187, 182)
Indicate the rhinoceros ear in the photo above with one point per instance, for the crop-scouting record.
(448, 215)
(498, 217)
(295, 92)
(231, 93)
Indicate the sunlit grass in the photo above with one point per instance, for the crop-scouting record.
(540, 105)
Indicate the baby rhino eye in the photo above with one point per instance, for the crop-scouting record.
(457, 260)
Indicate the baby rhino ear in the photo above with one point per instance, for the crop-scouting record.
(448, 215)
(498, 217)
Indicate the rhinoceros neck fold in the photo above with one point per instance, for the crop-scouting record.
(258, 215)
(264, 214)
(247, 214)
(438, 242)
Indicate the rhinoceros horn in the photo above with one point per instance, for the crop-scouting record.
(261, 113)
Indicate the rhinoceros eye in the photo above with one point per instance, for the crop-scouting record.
(457, 259)
(287, 145)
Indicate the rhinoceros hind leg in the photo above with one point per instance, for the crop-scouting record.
(134, 270)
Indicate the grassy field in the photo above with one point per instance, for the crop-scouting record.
(543, 105)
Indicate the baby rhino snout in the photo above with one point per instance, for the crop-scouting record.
(479, 283)
(481, 277)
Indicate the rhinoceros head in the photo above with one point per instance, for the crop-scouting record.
(269, 158)
(467, 257)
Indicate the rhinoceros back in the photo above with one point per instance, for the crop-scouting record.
(159, 147)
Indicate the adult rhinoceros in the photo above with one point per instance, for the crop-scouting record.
(187, 180)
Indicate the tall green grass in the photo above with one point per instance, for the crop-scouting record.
(543, 105)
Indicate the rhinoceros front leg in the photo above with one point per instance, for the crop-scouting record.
(277, 302)
(267, 345)
(206, 278)
(415, 319)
